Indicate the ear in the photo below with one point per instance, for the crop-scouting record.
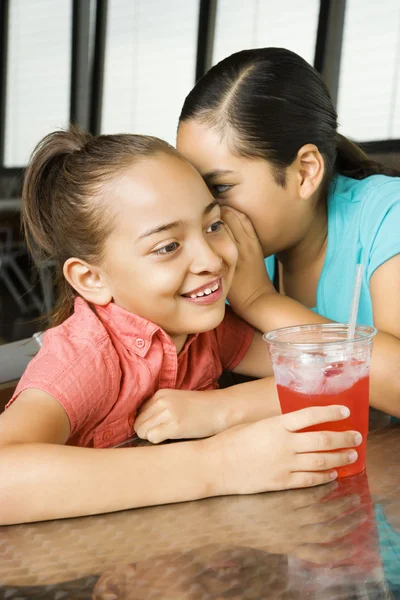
(87, 280)
(310, 167)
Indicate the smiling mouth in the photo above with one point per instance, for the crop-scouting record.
(206, 295)
(205, 291)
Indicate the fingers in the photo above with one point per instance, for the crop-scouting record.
(309, 479)
(160, 433)
(143, 427)
(233, 224)
(238, 223)
(147, 411)
(323, 461)
(314, 415)
(319, 441)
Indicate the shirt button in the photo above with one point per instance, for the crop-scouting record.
(140, 343)
(107, 435)
(131, 420)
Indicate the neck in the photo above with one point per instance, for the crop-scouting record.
(179, 341)
(311, 247)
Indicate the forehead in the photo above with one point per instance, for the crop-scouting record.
(157, 189)
(205, 148)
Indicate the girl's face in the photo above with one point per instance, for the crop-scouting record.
(170, 258)
(279, 215)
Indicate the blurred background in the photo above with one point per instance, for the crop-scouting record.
(118, 66)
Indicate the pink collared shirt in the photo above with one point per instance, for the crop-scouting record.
(101, 366)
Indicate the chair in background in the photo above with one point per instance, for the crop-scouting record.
(13, 277)
(46, 271)
(14, 358)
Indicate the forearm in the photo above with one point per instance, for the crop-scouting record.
(42, 481)
(385, 374)
(272, 311)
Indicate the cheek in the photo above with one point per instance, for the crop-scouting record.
(251, 203)
(166, 278)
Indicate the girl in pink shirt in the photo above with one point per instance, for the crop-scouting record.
(144, 264)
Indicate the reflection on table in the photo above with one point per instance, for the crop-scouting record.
(334, 541)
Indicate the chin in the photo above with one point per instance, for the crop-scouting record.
(206, 322)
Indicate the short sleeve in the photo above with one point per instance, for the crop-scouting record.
(380, 225)
(234, 337)
(81, 375)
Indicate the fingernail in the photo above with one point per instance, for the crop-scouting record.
(345, 412)
(353, 456)
(333, 474)
(357, 439)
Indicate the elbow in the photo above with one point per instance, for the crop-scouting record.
(12, 494)
(396, 404)
(394, 393)
(8, 504)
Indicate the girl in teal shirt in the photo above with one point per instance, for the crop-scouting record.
(261, 129)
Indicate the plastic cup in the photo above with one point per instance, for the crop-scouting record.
(317, 365)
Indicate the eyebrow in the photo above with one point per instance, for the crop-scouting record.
(216, 173)
(175, 224)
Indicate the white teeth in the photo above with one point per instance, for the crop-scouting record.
(206, 292)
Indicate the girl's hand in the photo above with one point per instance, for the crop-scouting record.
(176, 414)
(251, 278)
(270, 455)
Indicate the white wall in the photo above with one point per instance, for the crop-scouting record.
(38, 76)
(150, 65)
(151, 60)
(243, 24)
(369, 86)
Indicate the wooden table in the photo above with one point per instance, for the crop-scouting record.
(318, 543)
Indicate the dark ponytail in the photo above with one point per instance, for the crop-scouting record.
(271, 102)
(39, 194)
(353, 162)
(65, 212)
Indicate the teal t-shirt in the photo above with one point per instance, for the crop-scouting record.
(363, 227)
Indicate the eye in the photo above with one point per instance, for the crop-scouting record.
(220, 189)
(168, 249)
(215, 227)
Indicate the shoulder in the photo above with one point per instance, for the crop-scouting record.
(373, 194)
(78, 366)
(366, 204)
(382, 195)
(74, 354)
(81, 336)
(233, 338)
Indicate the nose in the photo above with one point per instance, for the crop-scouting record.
(204, 258)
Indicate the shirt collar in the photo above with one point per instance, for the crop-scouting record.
(134, 332)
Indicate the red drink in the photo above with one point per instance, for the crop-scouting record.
(318, 365)
(291, 400)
